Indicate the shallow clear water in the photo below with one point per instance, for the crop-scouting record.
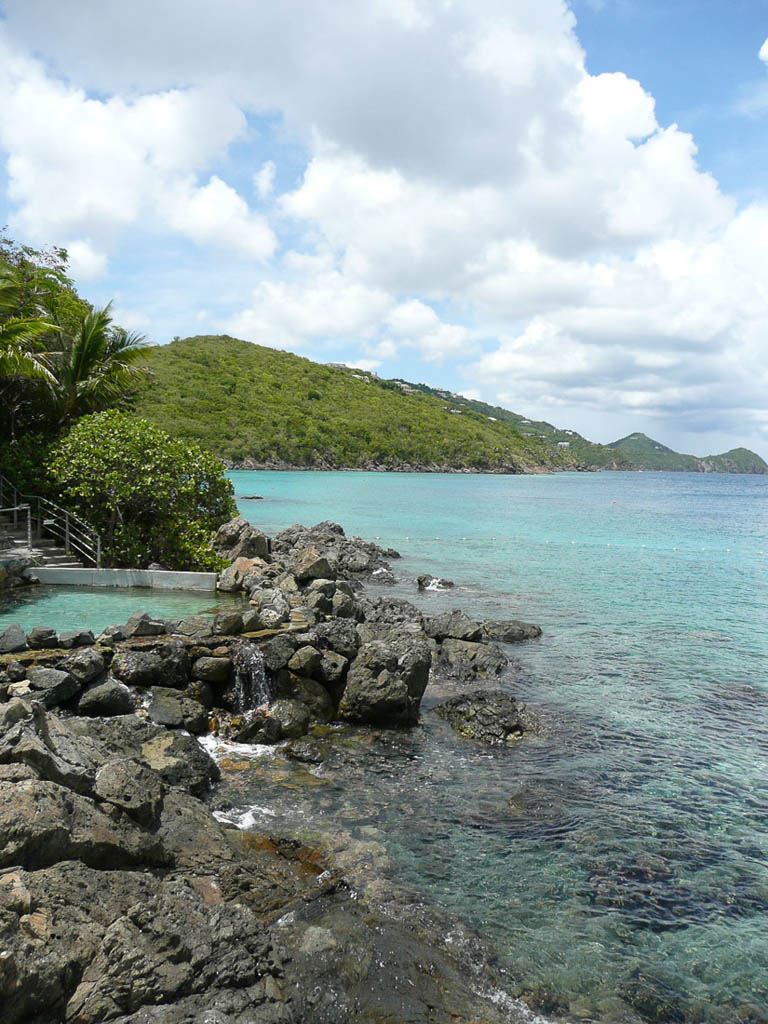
(95, 608)
(619, 861)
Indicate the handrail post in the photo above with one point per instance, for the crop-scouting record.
(29, 526)
(98, 551)
(66, 532)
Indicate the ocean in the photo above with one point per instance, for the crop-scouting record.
(618, 861)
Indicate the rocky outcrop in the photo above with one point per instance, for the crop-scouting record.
(465, 660)
(122, 899)
(488, 716)
(510, 631)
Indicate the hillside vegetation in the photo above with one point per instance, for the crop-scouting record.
(256, 406)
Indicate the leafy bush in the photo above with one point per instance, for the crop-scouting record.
(152, 497)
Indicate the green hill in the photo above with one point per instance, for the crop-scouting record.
(256, 406)
(645, 453)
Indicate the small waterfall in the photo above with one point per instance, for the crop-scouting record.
(251, 684)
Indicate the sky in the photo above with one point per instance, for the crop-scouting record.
(560, 208)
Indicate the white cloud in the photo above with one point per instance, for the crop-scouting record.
(456, 156)
(264, 180)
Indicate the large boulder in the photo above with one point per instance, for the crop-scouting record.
(168, 707)
(386, 682)
(137, 668)
(293, 717)
(42, 637)
(489, 716)
(140, 624)
(312, 564)
(465, 660)
(238, 539)
(272, 606)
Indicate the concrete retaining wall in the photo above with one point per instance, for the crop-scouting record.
(158, 579)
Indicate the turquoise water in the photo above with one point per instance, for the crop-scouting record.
(95, 608)
(619, 861)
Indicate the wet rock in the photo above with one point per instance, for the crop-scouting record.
(76, 638)
(653, 998)
(167, 707)
(200, 691)
(307, 751)
(51, 686)
(293, 717)
(42, 637)
(251, 621)
(427, 582)
(140, 624)
(258, 727)
(212, 670)
(84, 665)
(510, 631)
(305, 661)
(464, 660)
(175, 663)
(455, 625)
(108, 698)
(12, 639)
(489, 716)
(130, 785)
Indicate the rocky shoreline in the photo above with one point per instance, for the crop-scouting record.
(122, 898)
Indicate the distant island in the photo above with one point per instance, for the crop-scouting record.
(258, 407)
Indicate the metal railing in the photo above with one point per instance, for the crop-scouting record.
(46, 517)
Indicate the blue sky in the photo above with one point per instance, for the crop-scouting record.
(558, 208)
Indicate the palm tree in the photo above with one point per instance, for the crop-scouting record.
(19, 355)
(94, 368)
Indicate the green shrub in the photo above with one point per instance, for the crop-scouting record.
(152, 497)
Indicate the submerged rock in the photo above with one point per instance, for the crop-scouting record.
(489, 716)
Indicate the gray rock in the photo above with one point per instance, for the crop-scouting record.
(228, 624)
(85, 665)
(489, 716)
(197, 625)
(238, 539)
(305, 662)
(465, 660)
(107, 698)
(111, 636)
(293, 717)
(311, 564)
(333, 668)
(167, 707)
(319, 604)
(51, 686)
(42, 637)
(200, 691)
(140, 624)
(510, 631)
(138, 668)
(76, 638)
(339, 635)
(386, 681)
(230, 580)
(453, 624)
(272, 606)
(309, 692)
(278, 651)
(344, 607)
(12, 639)
(212, 670)
(133, 787)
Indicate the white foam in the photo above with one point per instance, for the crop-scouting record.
(219, 748)
(245, 817)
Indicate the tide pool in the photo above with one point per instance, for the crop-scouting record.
(618, 861)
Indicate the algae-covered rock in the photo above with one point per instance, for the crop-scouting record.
(488, 716)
